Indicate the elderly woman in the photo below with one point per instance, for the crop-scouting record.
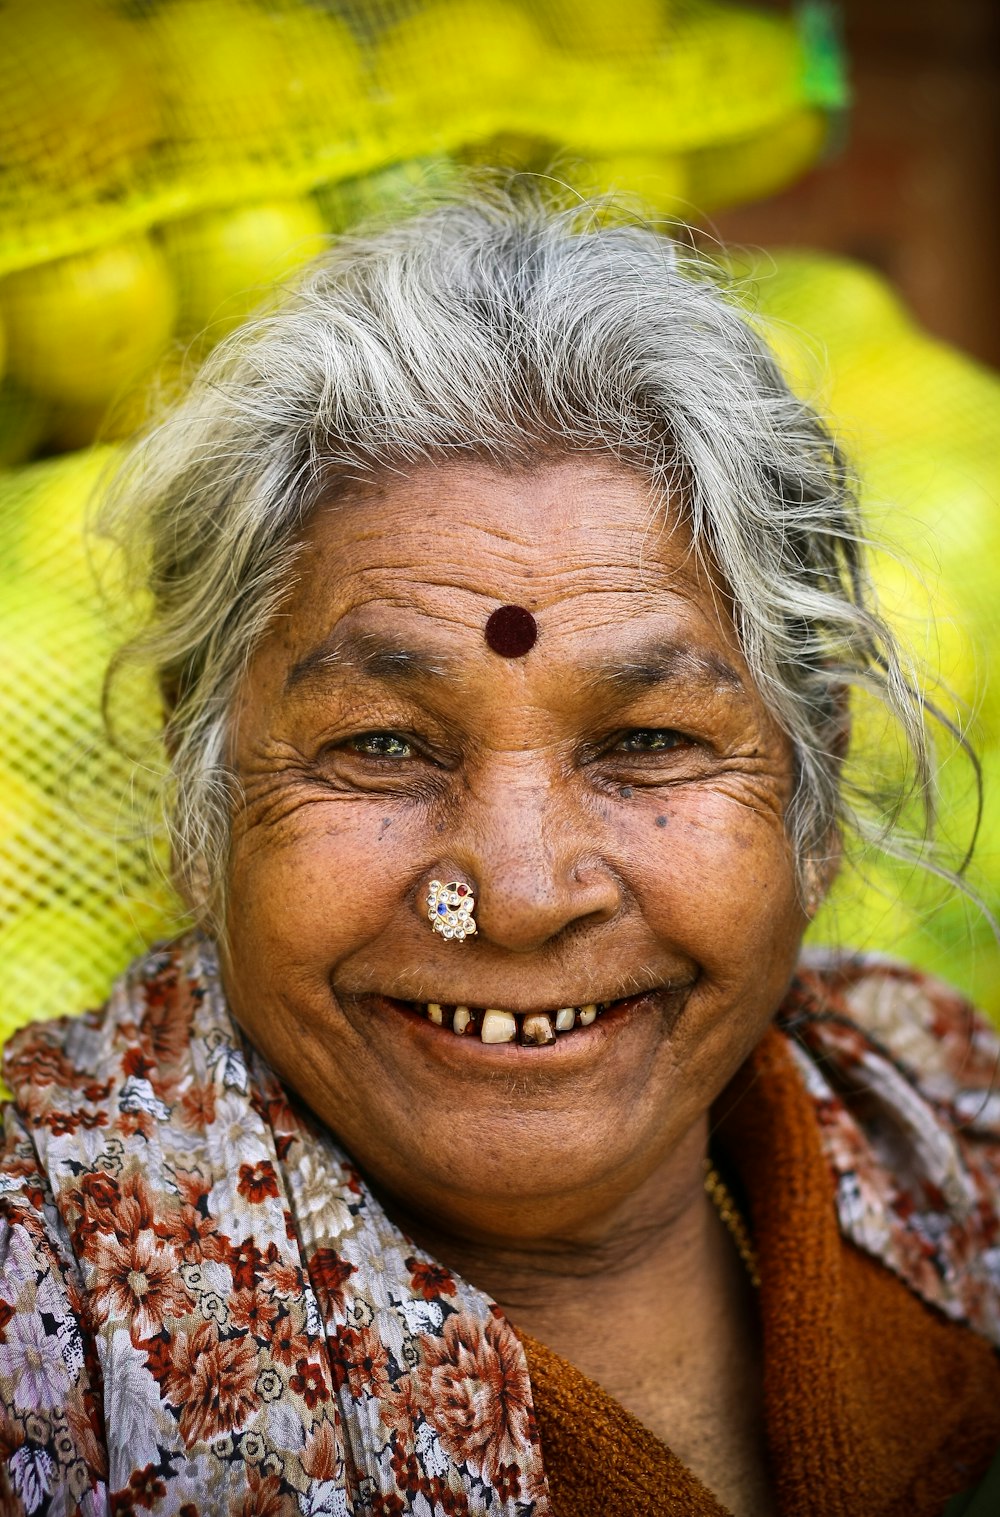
(491, 1147)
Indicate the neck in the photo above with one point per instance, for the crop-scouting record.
(648, 1297)
(661, 1243)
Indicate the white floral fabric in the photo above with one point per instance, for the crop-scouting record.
(204, 1309)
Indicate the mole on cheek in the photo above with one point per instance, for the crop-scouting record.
(661, 821)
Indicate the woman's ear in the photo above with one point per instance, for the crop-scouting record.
(818, 874)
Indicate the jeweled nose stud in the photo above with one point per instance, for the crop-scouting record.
(450, 908)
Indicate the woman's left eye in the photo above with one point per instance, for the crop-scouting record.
(653, 740)
(381, 745)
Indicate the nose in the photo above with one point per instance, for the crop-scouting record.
(535, 861)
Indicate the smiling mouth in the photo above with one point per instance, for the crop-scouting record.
(493, 1024)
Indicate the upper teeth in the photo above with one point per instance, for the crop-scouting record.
(498, 1026)
(495, 1025)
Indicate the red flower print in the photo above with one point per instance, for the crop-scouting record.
(196, 1237)
(257, 1181)
(135, 1124)
(321, 1457)
(211, 1381)
(145, 1486)
(508, 1482)
(136, 1065)
(136, 1282)
(252, 1311)
(193, 1187)
(196, 1107)
(475, 1382)
(359, 1359)
(282, 1278)
(86, 1426)
(329, 1273)
(122, 1209)
(244, 1262)
(407, 1473)
(263, 1499)
(103, 1191)
(430, 1280)
(29, 1056)
(309, 1382)
(287, 1345)
(387, 1506)
(60, 1123)
(272, 1106)
(400, 1408)
(159, 1357)
(166, 1029)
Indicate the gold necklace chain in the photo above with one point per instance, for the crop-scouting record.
(722, 1199)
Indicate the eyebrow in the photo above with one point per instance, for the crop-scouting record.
(368, 654)
(373, 655)
(663, 662)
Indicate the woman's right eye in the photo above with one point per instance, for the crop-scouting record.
(385, 745)
(653, 740)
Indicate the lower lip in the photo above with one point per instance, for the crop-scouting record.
(582, 1042)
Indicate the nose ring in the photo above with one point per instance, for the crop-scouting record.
(450, 908)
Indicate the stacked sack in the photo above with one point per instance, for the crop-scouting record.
(163, 165)
(922, 424)
(78, 895)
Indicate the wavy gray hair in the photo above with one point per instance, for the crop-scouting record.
(502, 326)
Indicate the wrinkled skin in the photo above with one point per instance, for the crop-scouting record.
(617, 797)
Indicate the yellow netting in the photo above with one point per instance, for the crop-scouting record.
(67, 878)
(923, 422)
(163, 162)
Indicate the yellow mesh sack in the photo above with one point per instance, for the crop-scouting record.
(117, 117)
(70, 877)
(163, 164)
(922, 422)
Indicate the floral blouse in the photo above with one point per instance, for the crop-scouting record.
(204, 1310)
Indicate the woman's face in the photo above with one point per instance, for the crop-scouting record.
(616, 797)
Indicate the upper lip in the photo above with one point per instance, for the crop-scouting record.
(542, 1004)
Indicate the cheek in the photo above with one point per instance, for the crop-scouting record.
(718, 881)
(328, 884)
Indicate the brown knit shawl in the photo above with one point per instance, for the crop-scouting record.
(875, 1404)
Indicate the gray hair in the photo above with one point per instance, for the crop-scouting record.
(503, 326)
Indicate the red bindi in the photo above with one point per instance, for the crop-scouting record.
(511, 631)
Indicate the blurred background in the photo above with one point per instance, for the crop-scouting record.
(913, 189)
(167, 165)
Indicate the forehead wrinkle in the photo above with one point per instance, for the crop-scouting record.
(370, 654)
